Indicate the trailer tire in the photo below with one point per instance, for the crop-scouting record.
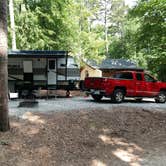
(118, 96)
(97, 97)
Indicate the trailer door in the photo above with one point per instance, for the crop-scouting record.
(52, 72)
(28, 71)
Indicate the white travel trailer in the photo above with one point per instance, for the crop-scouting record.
(29, 70)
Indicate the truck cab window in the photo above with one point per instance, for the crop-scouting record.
(139, 76)
(123, 75)
(148, 78)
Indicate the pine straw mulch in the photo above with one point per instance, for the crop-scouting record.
(122, 136)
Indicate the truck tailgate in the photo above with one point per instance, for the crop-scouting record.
(94, 83)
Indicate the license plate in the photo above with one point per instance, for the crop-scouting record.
(96, 92)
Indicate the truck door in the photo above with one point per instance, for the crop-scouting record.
(140, 85)
(151, 86)
(52, 75)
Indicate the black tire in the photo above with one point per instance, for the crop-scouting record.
(118, 96)
(161, 98)
(97, 97)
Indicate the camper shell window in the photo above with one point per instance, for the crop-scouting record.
(123, 75)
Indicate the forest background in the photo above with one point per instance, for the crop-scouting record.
(93, 29)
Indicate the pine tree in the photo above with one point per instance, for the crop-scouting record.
(4, 119)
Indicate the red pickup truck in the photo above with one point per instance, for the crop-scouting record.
(136, 84)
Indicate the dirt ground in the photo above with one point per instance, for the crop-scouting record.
(119, 137)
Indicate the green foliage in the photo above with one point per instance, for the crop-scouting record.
(88, 43)
(42, 25)
(57, 25)
(110, 15)
(151, 37)
(152, 16)
(143, 38)
(87, 27)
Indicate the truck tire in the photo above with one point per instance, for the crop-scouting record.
(97, 97)
(161, 98)
(118, 96)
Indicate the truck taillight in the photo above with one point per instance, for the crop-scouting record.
(104, 81)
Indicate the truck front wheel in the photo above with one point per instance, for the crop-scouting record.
(97, 97)
(118, 96)
(161, 98)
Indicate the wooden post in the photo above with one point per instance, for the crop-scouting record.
(66, 56)
(47, 74)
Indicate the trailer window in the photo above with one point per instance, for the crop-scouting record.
(51, 64)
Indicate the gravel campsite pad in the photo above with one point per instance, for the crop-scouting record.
(116, 136)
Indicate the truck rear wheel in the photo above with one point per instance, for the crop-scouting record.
(97, 97)
(161, 98)
(118, 96)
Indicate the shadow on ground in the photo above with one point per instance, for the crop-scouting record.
(120, 137)
(132, 101)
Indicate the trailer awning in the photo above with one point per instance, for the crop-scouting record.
(37, 54)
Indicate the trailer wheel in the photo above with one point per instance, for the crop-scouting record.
(118, 96)
(97, 97)
(161, 98)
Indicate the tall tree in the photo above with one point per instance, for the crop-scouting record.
(111, 15)
(4, 119)
(12, 24)
(151, 36)
(53, 27)
(47, 22)
(88, 44)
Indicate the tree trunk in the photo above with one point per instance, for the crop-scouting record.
(4, 118)
(12, 24)
(106, 14)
